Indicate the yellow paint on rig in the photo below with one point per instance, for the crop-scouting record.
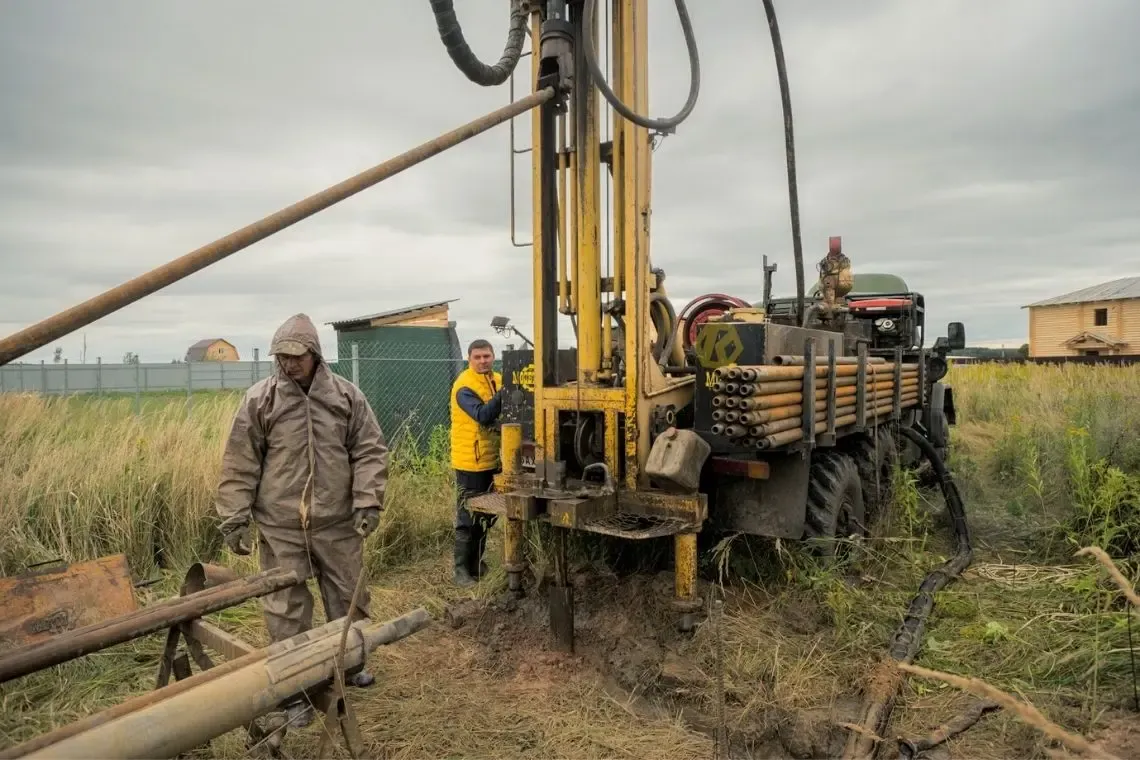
(685, 566)
(718, 345)
(513, 544)
(510, 448)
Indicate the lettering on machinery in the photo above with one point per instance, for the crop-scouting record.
(524, 378)
(718, 345)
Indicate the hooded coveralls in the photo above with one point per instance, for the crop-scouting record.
(298, 465)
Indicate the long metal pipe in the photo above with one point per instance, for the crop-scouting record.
(55, 327)
(169, 612)
(167, 723)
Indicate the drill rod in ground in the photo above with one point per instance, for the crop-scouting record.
(169, 612)
(182, 716)
(55, 327)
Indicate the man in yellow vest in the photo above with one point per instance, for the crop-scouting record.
(476, 402)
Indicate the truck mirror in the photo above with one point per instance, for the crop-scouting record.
(956, 335)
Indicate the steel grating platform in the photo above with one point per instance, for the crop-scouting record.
(635, 526)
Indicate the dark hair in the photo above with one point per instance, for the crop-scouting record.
(479, 343)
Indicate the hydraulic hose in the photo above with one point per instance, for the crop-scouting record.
(904, 646)
(451, 34)
(790, 151)
(664, 126)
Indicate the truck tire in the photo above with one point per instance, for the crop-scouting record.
(875, 457)
(834, 503)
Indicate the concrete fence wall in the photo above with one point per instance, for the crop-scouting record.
(67, 378)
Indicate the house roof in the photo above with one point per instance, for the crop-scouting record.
(1113, 290)
(404, 311)
(198, 350)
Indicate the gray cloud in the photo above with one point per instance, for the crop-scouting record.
(988, 156)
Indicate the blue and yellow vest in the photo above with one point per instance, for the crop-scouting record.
(474, 447)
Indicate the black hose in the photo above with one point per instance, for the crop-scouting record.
(451, 34)
(659, 125)
(790, 150)
(905, 643)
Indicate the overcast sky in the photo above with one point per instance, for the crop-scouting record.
(988, 152)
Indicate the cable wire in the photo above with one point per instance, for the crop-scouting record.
(790, 150)
(670, 124)
(451, 34)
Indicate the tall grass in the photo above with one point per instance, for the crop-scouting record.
(1051, 448)
(1055, 447)
(85, 477)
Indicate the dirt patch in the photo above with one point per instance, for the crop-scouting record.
(627, 638)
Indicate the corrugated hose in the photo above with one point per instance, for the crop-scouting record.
(451, 34)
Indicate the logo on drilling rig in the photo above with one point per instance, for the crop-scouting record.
(718, 345)
(524, 378)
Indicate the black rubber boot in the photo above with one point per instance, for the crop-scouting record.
(476, 567)
(462, 556)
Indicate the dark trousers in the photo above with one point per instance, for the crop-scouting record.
(471, 528)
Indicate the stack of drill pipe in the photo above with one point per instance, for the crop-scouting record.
(761, 406)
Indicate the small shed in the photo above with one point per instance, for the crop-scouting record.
(212, 350)
(405, 362)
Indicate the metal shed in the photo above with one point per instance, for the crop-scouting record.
(404, 360)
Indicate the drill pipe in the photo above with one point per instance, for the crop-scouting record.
(771, 414)
(164, 614)
(778, 426)
(791, 436)
(753, 411)
(55, 327)
(173, 720)
(750, 391)
(770, 387)
(789, 420)
(751, 372)
(753, 403)
(792, 360)
(766, 372)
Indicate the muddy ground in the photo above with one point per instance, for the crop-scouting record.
(626, 636)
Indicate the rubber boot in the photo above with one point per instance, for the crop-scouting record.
(462, 557)
(476, 567)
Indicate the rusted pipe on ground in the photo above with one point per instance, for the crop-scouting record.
(55, 327)
(173, 720)
(169, 612)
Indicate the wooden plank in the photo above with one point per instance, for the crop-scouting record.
(41, 604)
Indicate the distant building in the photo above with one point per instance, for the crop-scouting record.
(212, 350)
(1102, 320)
(406, 360)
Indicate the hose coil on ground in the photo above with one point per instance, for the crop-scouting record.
(664, 126)
(451, 34)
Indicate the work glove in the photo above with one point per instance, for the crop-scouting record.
(366, 520)
(237, 540)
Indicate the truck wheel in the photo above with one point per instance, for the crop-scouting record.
(835, 502)
(875, 457)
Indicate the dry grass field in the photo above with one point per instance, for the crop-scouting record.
(1048, 459)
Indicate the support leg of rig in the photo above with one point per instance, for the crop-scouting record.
(685, 598)
(561, 598)
(513, 561)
